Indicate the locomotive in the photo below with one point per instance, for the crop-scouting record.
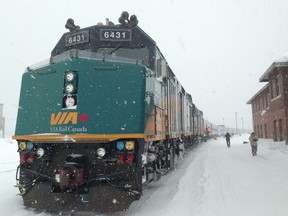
(100, 120)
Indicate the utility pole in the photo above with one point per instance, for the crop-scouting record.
(236, 122)
(2, 122)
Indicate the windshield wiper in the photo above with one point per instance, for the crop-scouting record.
(114, 50)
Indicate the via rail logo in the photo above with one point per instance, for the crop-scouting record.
(66, 121)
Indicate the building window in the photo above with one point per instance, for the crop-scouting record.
(275, 130)
(265, 130)
(266, 100)
(280, 130)
(272, 89)
(263, 102)
(253, 108)
(279, 79)
(277, 86)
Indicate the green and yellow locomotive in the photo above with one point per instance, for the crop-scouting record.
(104, 117)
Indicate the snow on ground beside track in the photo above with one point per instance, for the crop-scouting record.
(212, 180)
(230, 181)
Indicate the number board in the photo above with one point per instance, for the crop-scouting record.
(115, 35)
(77, 38)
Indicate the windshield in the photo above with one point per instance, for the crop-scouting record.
(141, 55)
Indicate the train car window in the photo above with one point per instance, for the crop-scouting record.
(161, 65)
(158, 62)
(161, 68)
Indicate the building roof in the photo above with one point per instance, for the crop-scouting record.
(258, 93)
(281, 62)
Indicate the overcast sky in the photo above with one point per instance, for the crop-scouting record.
(218, 49)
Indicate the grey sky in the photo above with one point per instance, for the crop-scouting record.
(218, 49)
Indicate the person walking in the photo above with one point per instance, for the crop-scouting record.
(253, 142)
(228, 136)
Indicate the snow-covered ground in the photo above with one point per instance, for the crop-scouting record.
(212, 180)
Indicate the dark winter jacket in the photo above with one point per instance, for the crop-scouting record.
(227, 135)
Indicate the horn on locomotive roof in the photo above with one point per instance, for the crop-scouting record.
(125, 21)
(71, 26)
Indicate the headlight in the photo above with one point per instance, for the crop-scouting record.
(130, 145)
(101, 152)
(22, 146)
(70, 76)
(40, 152)
(69, 102)
(69, 88)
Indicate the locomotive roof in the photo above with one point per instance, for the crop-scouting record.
(92, 38)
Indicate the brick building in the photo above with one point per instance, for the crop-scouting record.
(270, 104)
